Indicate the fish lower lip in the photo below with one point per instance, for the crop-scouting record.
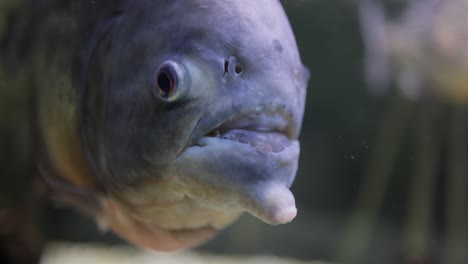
(262, 139)
(254, 179)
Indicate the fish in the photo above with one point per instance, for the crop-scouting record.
(167, 120)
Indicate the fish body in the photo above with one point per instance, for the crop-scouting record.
(166, 120)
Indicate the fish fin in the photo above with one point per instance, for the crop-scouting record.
(87, 200)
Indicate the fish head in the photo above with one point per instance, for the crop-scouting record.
(200, 109)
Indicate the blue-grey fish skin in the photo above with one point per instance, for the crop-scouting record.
(181, 165)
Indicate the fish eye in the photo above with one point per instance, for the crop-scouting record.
(170, 81)
(166, 83)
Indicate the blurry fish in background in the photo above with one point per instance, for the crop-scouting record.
(165, 124)
(425, 51)
(424, 54)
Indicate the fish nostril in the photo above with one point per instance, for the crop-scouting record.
(226, 67)
(233, 67)
(239, 69)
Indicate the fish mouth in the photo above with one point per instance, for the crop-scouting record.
(244, 161)
(265, 141)
(266, 128)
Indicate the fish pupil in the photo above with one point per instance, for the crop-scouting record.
(165, 83)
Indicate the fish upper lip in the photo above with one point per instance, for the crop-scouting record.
(277, 118)
(263, 118)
